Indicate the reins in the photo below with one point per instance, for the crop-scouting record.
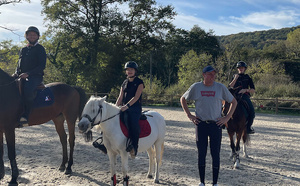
(8, 83)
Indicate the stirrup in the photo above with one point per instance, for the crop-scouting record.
(100, 145)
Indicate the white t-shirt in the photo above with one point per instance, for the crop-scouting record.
(208, 99)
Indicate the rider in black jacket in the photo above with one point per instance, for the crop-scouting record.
(245, 83)
(31, 65)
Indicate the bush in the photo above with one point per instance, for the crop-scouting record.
(155, 89)
(295, 105)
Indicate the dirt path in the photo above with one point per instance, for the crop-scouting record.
(274, 156)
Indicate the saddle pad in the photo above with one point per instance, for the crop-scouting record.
(43, 98)
(144, 125)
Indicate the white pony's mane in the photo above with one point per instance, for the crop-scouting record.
(112, 108)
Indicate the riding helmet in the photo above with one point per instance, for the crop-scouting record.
(33, 29)
(131, 64)
(241, 64)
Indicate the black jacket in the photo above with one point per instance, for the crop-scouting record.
(32, 60)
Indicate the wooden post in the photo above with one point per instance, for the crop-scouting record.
(276, 110)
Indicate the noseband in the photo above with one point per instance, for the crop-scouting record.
(99, 112)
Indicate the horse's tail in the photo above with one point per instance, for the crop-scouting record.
(83, 99)
(246, 138)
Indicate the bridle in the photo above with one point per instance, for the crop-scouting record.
(99, 112)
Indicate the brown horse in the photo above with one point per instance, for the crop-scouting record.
(68, 105)
(237, 126)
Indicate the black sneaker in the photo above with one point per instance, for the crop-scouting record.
(250, 131)
(100, 147)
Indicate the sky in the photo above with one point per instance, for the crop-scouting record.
(224, 17)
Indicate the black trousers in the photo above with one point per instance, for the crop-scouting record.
(214, 133)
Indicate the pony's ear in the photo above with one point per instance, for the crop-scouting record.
(104, 98)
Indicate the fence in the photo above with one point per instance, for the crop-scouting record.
(275, 104)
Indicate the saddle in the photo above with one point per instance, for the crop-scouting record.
(143, 123)
(44, 96)
(21, 85)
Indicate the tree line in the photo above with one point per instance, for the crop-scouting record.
(88, 43)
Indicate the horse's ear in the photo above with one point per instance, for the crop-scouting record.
(104, 98)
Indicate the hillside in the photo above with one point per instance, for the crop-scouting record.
(257, 39)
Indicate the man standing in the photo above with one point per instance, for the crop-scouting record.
(208, 96)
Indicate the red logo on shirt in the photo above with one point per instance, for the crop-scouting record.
(208, 93)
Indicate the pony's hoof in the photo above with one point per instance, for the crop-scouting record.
(68, 172)
(150, 176)
(156, 181)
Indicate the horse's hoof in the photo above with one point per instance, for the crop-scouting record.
(150, 176)
(13, 183)
(68, 172)
(62, 168)
(156, 181)
(2, 175)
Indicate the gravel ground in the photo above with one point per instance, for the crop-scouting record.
(274, 156)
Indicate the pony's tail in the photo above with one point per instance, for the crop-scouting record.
(83, 99)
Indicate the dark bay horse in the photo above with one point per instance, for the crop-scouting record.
(68, 105)
(237, 126)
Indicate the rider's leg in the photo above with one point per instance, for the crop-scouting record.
(251, 114)
(29, 93)
(134, 129)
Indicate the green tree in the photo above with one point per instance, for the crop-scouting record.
(293, 43)
(190, 67)
(93, 39)
(8, 56)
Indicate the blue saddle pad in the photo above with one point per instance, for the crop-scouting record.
(43, 98)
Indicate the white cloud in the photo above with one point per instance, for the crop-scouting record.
(19, 17)
(219, 28)
(270, 19)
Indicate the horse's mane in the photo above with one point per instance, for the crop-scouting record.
(5, 77)
(112, 107)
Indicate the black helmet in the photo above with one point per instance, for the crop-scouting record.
(241, 64)
(34, 29)
(131, 64)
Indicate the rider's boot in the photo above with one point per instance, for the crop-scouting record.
(250, 130)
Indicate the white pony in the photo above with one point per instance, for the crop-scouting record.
(98, 111)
